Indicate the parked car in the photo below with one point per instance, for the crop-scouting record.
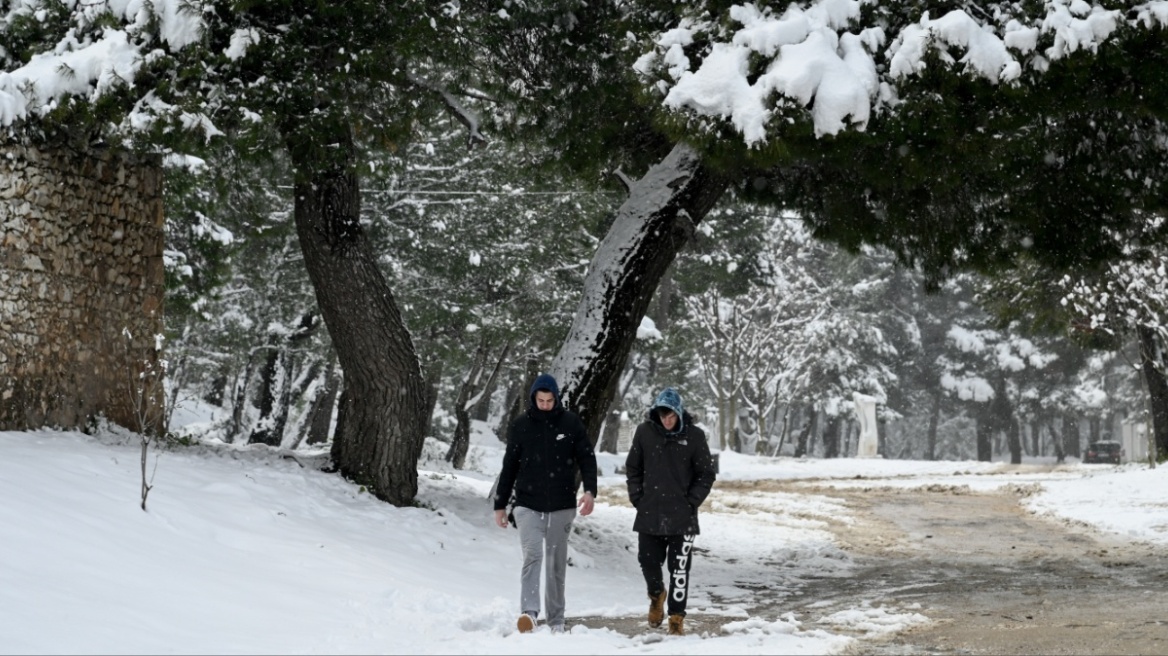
(1104, 451)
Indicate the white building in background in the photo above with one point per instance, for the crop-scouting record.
(1134, 438)
(869, 443)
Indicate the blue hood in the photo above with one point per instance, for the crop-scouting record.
(544, 382)
(670, 399)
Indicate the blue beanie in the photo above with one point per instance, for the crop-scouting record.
(670, 399)
(547, 383)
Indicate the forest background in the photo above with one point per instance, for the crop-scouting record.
(998, 289)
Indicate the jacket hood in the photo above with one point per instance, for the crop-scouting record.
(670, 400)
(544, 382)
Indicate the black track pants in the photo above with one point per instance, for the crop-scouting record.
(677, 550)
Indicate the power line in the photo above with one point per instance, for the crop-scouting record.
(419, 192)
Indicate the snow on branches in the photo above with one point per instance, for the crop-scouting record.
(842, 60)
(91, 57)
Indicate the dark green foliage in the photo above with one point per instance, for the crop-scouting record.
(968, 175)
(562, 73)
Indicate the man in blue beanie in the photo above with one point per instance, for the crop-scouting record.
(546, 446)
(670, 473)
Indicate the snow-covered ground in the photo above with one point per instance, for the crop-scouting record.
(245, 551)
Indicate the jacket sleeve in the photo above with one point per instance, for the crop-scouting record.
(703, 474)
(635, 470)
(586, 459)
(510, 469)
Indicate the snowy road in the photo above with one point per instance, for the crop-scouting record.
(993, 578)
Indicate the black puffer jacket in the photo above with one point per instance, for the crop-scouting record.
(669, 476)
(544, 450)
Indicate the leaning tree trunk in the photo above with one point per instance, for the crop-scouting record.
(651, 226)
(379, 436)
(1152, 363)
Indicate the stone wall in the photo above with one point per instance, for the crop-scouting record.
(81, 238)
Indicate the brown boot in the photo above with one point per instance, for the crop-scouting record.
(676, 625)
(656, 609)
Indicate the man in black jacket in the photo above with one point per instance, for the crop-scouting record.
(545, 448)
(670, 473)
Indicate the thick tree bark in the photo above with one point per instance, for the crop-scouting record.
(1152, 365)
(382, 409)
(651, 226)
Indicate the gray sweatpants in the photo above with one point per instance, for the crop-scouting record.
(543, 534)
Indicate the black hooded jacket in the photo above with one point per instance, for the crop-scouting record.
(669, 476)
(544, 450)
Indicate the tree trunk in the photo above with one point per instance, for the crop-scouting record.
(831, 438)
(517, 397)
(650, 228)
(433, 385)
(1056, 440)
(276, 392)
(239, 398)
(610, 437)
(382, 410)
(470, 395)
(271, 382)
(801, 442)
(934, 418)
(662, 302)
(1071, 438)
(985, 435)
(320, 415)
(1014, 439)
(1152, 364)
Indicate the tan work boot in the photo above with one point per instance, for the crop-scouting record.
(526, 623)
(656, 609)
(676, 625)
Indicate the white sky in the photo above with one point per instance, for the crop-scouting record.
(246, 552)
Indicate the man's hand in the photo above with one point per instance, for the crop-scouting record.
(501, 518)
(585, 505)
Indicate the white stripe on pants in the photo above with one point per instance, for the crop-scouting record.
(543, 534)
